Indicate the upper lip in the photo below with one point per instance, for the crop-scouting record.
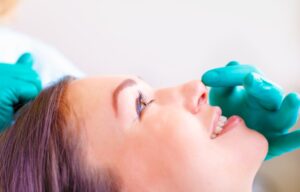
(215, 119)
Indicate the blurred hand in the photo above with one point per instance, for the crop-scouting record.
(242, 90)
(19, 83)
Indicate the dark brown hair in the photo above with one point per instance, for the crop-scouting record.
(40, 152)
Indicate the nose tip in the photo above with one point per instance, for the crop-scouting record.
(196, 95)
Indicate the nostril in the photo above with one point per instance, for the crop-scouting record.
(203, 96)
(195, 95)
(202, 99)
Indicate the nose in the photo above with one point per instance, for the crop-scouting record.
(191, 95)
(195, 95)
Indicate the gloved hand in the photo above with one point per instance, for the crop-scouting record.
(19, 83)
(241, 90)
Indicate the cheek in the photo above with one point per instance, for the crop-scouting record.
(183, 137)
(172, 135)
(167, 141)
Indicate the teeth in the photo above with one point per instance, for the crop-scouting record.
(213, 136)
(221, 124)
(219, 127)
(223, 118)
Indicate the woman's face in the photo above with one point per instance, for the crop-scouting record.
(160, 139)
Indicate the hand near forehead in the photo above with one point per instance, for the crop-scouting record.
(242, 90)
(19, 83)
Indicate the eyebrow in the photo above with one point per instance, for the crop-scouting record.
(126, 83)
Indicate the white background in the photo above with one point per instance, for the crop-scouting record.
(169, 42)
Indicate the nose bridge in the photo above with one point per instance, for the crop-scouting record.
(189, 95)
(193, 87)
(169, 95)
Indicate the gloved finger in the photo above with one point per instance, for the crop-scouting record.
(31, 77)
(283, 144)
(288, 113)
(26, 75)
(25, 59)
(24, 92)
(18, 69)
(217, 92)
(21, 73)
(231, 75)
(266, 94)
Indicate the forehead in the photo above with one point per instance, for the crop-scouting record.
(91, 94)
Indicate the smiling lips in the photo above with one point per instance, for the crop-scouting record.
(221, 124)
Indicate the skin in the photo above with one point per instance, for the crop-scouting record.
(169, 148)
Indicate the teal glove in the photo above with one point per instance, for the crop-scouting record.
(241, 90)
(19, 83)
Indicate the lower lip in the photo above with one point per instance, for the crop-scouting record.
(230, 124)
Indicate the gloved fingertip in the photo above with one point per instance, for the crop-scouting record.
(293, 100)
(25, 59)
(210, 77)
(231, 63)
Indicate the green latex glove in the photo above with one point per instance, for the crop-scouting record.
(19, 83)
(241, 90)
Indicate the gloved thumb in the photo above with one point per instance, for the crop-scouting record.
(283, 144)
(25, 59)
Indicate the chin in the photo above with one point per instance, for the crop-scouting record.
(262, 144)
(257, 148)
(249, 146)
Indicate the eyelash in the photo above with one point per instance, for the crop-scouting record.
(141, 100)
